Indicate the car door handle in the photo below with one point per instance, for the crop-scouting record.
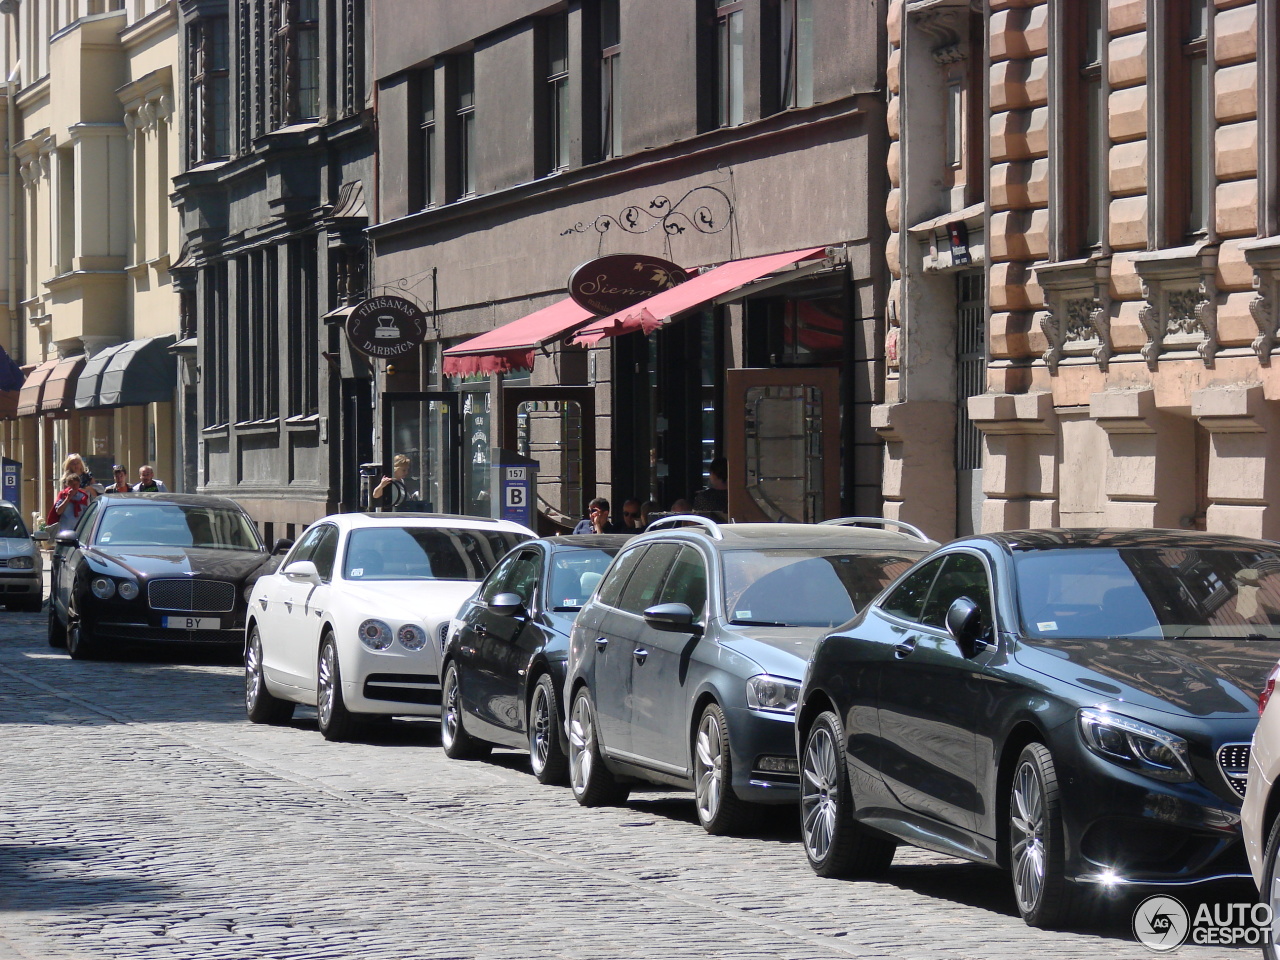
(601, 642)
(480, 630)
(640, 654)
(905, 648)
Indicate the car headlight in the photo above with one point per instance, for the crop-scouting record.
(375, 635)
(412, 636)
(128, 590)
(772, 693)
(103, 588)
(20, 563)
(1137, 746)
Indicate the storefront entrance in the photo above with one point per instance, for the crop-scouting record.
(421, 447)
(555, 426)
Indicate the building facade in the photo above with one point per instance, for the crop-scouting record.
(1125, 268)
(91, 310)
(519, 140)
(275, 175)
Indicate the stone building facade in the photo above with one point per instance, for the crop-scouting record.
(522, 139)
(90, 307)
(1128, 228)
(272, 189)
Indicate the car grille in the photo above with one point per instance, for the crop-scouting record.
(1233, 761)
(423, 688)
(197, 596)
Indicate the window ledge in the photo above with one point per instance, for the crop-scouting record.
(250, 428)
(303, 423)
(216, 432)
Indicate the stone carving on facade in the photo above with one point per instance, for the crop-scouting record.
(1082, 321)
(1180, 312)
(1264, 256)
(1266, 317)
(945, 26)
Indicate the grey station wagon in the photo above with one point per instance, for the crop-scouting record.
(685, 665)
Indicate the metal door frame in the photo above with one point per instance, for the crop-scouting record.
(453, 482)
(585, 397)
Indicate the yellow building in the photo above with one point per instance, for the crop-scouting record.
(89, 308)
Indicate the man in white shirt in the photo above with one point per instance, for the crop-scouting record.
(147, 482)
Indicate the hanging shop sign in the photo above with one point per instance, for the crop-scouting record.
(606, 285)
(386, 327)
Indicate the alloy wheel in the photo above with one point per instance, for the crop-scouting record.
(819, 799)
(449, 714)
(709, 762)
(324, 683)
(582, 744)
(252, 672)
(541, 724)
(1027, 836)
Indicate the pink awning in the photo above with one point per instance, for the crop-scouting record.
(511, 346)
(649, 315)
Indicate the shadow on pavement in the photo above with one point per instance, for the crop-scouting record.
(36, 877)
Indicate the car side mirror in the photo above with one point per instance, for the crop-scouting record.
(282, 546)
(40, 536)
(964, 623)
(672, 618)
(66, 538)
(506, 604)
(303, 571)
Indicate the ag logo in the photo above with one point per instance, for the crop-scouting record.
(1161, 923)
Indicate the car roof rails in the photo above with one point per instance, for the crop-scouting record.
(874, 521)
(680, 519)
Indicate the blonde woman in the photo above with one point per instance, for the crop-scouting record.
(399, 474)
(75, 464)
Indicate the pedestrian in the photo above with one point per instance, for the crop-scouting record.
(67, 508)
(597, 519)
(647, 510)
(713, 499)
(121, 484)
(392, 493)
(631, 515)
(147, 482)
(74, 463)
(681, 506)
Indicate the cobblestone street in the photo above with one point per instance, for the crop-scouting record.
(142, 816)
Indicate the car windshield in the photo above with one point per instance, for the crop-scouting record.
(1149, 591)
(11, 525)
(424, 553)
(152, 524)
(805, 588)
(574, 575)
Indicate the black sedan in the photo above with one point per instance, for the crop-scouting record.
(154, 566)
(1075, 706)
(504, 667)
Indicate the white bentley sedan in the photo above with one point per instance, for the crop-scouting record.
(352, 620)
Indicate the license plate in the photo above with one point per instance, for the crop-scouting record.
(193, 623)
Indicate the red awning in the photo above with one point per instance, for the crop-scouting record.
(511, 346)
(33, 388)
(649, 315)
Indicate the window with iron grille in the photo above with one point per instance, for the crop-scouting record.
(971, 366)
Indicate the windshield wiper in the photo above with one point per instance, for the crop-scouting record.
(758, 623)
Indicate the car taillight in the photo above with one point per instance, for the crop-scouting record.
(1268, 688)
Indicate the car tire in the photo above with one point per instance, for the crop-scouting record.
(835, 844)
(81, 643)
(546, 755)
(260, 704)
(336, 722)
(1037, 846)
(720, 810)
(593, 784)
(454, 739)
(57, 632)
(1269, 885)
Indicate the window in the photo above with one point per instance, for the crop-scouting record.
(326, 552)
(642, 589)
(1197, 114)
(730, 60)
(209, 96)
(557, 92)
(465, 112)
(1096, 142)
(423, 153)
(797, 53)
(295, 61)
(963, 576)
(907, 600)
(619, 573)
(306, 70)
(610, 79)
(304, 346)
(687, 582)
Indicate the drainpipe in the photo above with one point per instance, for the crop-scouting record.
(17, 346)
